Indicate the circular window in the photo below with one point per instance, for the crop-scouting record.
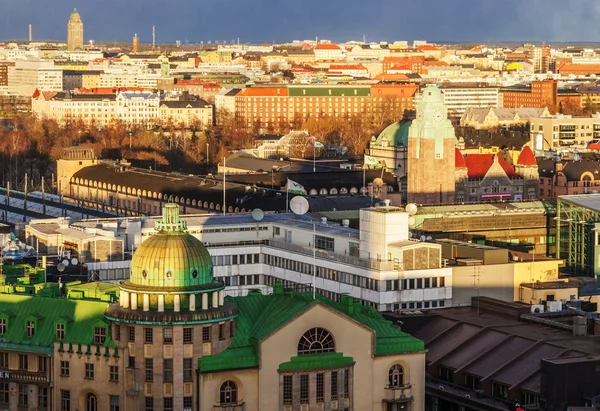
(195, 273)
(144, 274)
(169, 274)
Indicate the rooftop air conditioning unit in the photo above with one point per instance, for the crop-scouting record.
(537, 309)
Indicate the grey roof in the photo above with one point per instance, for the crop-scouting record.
(437, 326)
(185, 104)
(498, 357)
(450, 340)
(473, 348)
(527, 364)
(591, 201)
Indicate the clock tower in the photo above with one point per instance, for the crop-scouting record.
(431, 152)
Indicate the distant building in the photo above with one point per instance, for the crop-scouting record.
(488, 177)
(186, 112)
(136, 44)
(390, 147)
(27, 76)
(458, 97)
(567, 177)
(537, 94)
(494, 117)
(551, 133)
(74, 32)
(329, 52)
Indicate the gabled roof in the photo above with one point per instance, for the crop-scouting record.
(327, 47)
(479, 164)
(261, 315)
(526, 158)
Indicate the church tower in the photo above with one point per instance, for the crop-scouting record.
(431, 152)
(75, 32)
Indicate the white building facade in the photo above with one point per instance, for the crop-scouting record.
(378, 264)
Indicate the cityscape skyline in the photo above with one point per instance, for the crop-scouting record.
(433, 20)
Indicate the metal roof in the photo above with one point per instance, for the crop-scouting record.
(590, 201)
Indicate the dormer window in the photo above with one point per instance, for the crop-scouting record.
(99, 335)
(60, 331)
(30, 329)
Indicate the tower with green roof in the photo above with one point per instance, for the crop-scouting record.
(170, 312)
(75, 32)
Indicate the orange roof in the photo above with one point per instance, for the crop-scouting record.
(264, 92)
(396, 90)
(347, 67)
(327, 47)
(434, 63)
(428, 47)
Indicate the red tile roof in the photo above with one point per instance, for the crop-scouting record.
(327, 47)
(264, 91)
(479, 164)
(459, 160)
(526, 158)
(358, 66)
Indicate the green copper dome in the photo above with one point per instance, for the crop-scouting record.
(171, 257)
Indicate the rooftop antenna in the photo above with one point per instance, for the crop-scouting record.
(364, 39)
(153, 37)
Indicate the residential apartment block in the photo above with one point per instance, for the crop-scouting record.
(273, 105)
(550, 133)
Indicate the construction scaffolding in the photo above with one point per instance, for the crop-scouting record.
(577, 225)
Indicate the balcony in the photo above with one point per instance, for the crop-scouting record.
(329, 256)
(240, 406)
(399, 394)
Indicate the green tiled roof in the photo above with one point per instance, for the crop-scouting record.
(261, 315)
(80, 318)
(311, 362)
(299, 91)
(396, 134)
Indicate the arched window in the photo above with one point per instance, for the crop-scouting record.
(91, 403)
(228, 393)
(396, 376)
(316, 341)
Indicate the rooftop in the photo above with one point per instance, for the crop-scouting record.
(261, 315)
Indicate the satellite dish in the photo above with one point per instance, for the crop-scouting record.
(258, 214)
(411, 221)
(423, 238)
(74, 261)
(61, 267)
(411, 208)
(299, 205)
(429, 238)
(65, 263)
(378, 182)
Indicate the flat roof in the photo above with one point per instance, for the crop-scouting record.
(591, 201)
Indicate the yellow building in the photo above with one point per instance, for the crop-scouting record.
(186, 113)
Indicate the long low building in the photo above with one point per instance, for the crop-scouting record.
(377, 263)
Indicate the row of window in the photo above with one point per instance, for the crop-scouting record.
(90, 371)
(167, 404)
(24, 362)
(167, 334)
(415, 283)
(91, 402)
(23, 396)
(321, 394)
